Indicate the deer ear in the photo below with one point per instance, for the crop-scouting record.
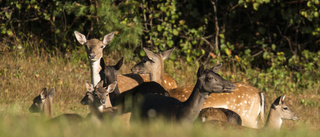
(89, 86)
(277, 101)
(51, 93)
(43, 93)
(166, 54)
(80, 37)
(100, 84)
(119, 64)
(282, 99)
(107, 38)
(200, 71)
(150, 54)
(112, 87)
(216, 68)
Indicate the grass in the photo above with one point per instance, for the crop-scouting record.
(22, 77)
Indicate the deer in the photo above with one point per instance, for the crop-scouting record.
(43, 104)
(219, 114)
(96, 98)
(126, 99)
(157, 106)
(245, 100)
(279, 111)
(94, 49)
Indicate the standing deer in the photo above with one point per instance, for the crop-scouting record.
(245, 100)
(155, 106)
(43, 104)
(94, 49)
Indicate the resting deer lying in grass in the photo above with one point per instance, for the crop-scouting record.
(278, 111)
(97, 97)
(247, 101)
(127, 99)
(220, 114)
(43, 104)
(155, 106)
(94, 49)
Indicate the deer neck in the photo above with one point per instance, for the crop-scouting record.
(274, 120)
(96, 112)
(157, 76)
(191, 108)
(47, 108)
(95, 72)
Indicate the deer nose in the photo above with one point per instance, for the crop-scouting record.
(92, 56)
(296, 117)
(103, 102)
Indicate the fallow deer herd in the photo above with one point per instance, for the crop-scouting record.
(148, 93)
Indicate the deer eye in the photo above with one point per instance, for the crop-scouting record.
(102, 46)
(285, 108)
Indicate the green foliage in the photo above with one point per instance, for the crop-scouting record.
(50, 24)
(278, 38)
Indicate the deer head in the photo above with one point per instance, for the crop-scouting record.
(151, 62)
(94, 47)
(99, 95)
(43, 102)
(217, 83)
(279, 110)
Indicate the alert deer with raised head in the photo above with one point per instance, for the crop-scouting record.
(96, 98)
(94, 49)
(43, 104)
(279, 110)
(126, 99)
(245, 100)
(156, 106)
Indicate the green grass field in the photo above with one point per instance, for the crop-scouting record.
(23, 77)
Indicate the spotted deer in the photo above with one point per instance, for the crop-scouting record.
(94, 49)
(245, 100)
(43, 104)
(278, 111)
(157, 106)
(126, 99)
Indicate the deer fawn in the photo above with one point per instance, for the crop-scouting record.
(245, 100)
(127, 99)
(155, 106)
(279, 110)
(94, 49)
(96, 98)
(43, 104)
